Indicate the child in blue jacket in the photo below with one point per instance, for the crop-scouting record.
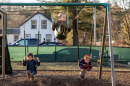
(85, 64)
(31, 65)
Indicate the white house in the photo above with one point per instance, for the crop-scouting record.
(35, 23)
(12, 34)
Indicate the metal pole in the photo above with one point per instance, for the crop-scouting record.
(51, 15)
(55, 50)
(55, 54)
(55, 4)
(27, 49)
(3, 47)
(84, 37)
(67, 16)
(38, 44)
(94, 24)
(24, 41)
(90, 43)
(111, 49)
(103, 43)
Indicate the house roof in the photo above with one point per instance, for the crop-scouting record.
(34, 15)
(11, 31)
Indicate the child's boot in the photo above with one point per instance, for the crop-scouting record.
(82, 74)
(65, 31)
(61, 28)
(82, 78)
(32, 77)
(28, 74)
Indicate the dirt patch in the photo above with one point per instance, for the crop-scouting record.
(66, 78)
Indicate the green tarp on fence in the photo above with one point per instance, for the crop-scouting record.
(65, 53)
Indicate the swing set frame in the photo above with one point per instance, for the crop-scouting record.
(106, 20)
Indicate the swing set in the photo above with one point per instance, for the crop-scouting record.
(107, 20)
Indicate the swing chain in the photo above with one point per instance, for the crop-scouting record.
(39, 15)
(38, 30)
(24, 33)
(51, 15)
(64, 30)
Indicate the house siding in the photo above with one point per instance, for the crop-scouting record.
(33, 32)
(11, 32)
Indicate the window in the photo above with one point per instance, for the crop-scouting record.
(34, 24)
(48, 37)
(22, 42)
(44, 24)
(27, 35)
(36, 36)
(16, 37)
(33, 42)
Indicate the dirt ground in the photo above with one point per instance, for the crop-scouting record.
(66, 78)
(69, 66)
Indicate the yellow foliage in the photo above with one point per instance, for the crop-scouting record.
(70, 37)
(126, 25)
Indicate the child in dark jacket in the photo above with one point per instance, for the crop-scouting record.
(31, 65)
(61, 26)
(85, 64)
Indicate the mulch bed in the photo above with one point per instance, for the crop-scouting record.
(66, 78)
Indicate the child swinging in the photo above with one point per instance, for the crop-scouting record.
(31, 65)
(85, 64)
(60, 28)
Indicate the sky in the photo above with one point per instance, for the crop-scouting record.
(34, 1)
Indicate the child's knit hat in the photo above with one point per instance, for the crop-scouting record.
(87, 57)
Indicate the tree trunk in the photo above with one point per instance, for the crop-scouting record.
(75, 26)
(75, 32)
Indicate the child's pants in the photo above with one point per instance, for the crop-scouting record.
(32, 72)
(59, 31)
(82, 73)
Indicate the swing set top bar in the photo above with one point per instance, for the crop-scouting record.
(106, 5)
